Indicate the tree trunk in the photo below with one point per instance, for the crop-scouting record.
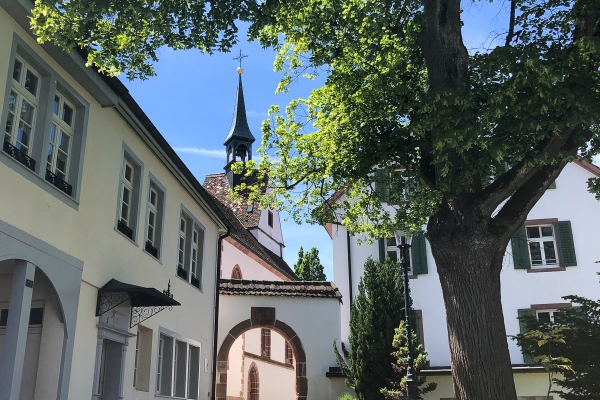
(469, 261)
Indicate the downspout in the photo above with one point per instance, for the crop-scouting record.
(349, 266)
(216, 322)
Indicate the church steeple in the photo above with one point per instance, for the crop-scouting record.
(238, 143)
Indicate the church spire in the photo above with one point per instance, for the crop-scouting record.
(238, 142)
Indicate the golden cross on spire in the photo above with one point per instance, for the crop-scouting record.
(240, 58)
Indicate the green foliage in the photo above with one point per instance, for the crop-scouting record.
(376, 311)
(568, 346)
(309, 267)
(346, 396)
(397, 387)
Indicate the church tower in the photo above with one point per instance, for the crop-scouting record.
(238, 143)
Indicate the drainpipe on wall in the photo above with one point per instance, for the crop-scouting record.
(216, 322)
(349, 266)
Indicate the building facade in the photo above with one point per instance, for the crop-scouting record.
(108, 244)
(551, 256)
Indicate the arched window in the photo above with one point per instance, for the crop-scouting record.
(253, 382)
(236, 273)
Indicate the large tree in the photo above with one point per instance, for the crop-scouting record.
(402, 94)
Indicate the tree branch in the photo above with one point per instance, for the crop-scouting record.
(511, 23)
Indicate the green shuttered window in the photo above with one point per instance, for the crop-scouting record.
(381, 184)
(531, 248)
(418, 253)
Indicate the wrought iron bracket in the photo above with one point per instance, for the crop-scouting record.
(140, 314)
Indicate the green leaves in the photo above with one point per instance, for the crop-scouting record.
(309, 267)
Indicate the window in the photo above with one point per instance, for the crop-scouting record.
(393, 252)
(23, 104)
(44, 124)
(143, 352)
(546, 315)
(289, 354)
(36, 316)
(59, 147)
(178, 368)
(265, 342)
(190, 250)
(236, 273)
(253, 382)
(270, 218)
(154, 219)
(542, 245)
(135, 362)
(129, 194)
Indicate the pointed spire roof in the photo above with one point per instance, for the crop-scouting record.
(239, 126)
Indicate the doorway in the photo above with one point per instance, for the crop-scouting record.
(109, 383)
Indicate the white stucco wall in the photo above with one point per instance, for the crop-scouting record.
(569, 201)
(315, 321)
(89, 233)
(251, 269)
(270, 237)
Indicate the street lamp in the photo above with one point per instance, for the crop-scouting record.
(412, 389)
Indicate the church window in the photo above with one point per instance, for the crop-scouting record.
(265, 342)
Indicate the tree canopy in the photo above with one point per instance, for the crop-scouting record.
(309, 267)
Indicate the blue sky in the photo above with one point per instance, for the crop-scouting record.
(191, 102)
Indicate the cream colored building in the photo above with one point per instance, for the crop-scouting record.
(98, 217)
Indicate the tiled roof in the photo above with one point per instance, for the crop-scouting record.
(245, 238)
(218, 186)
(281, 289)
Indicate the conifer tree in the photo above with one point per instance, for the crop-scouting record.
(375, 314)
(309, 267)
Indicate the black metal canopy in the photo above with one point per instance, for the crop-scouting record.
(145, 302)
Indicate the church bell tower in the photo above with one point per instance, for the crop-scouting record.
(238, 143)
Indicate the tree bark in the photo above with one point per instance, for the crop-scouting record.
(469, 261)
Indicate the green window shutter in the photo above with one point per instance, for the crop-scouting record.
(419, 254)
(552, 185)
(566, 246)
(520, 251)
(381, 187)
(523, 328)
(381, 250)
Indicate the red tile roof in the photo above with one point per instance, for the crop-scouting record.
(218, 186)
(317, 289)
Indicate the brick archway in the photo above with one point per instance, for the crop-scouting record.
(262, 317)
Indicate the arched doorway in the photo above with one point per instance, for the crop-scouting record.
(253, 382)
(262, 317)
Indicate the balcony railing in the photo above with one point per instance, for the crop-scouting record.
(19, 155)
(124, 229)
(151, 249)
(59, 183)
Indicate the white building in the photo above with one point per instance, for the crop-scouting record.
(98, 216)
(557, 258)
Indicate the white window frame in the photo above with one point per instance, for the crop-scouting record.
(178, 340)
(33, 99)
(393, 248)
(541, 241)
(50, 83)
(154, 234)
(134, 185)
(61, 127)
(129, 185)
(190, 244)
(551, 311)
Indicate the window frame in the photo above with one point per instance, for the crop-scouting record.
(62, 127)
(265, 342)
(539, 224)
(128, 157)
(177, 340)
(190, 248)
(154, 184)
(393, 248)
(50, 83)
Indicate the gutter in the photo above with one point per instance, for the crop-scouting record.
(216, 322)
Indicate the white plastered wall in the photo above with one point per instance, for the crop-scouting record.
(251, 269)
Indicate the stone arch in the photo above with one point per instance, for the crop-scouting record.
(253, 382)
(237, 272)
(262, 317)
